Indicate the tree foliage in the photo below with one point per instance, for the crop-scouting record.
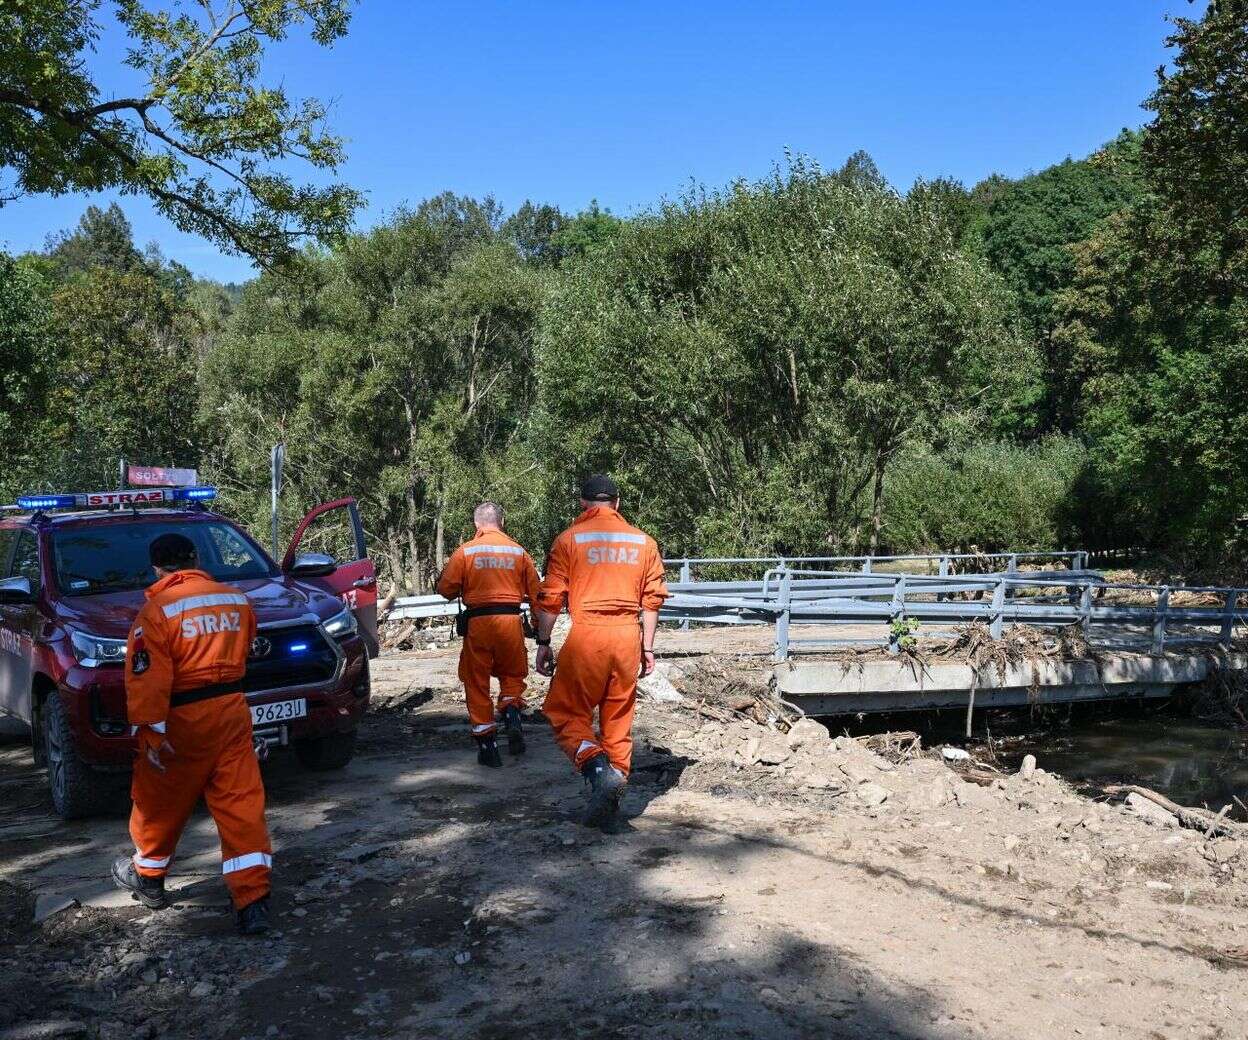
(750, 362)
(201, 135)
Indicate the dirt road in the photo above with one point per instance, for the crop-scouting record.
(422, 896)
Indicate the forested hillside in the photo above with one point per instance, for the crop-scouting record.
(811, 363)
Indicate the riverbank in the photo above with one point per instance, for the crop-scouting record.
(778, 884)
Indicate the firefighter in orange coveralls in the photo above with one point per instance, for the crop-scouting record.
(493, 575)
(184, 661)
(605, 571)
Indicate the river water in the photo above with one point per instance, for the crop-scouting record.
(1189, 761)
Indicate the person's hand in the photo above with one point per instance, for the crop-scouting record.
(545, 662)
(647, 663)
(153, 745)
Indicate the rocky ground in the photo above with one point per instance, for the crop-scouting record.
(777, 881)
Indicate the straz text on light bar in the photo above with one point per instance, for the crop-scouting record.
(104, 499)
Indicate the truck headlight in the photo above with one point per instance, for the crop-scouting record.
(341, 626)
(93, 651)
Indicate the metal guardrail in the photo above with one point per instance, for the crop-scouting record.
(1074, 559)
(786, 597)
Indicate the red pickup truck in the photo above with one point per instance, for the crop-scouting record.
(70, 586)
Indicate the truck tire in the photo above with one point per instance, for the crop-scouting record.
(332, 751)
(77, 790)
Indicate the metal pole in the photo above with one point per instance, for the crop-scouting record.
(998, 611)
(1085, 610)
(899, 613)
(782, 618)
(1228, 618)
(685, 576)
(1159, 620)
(277, 459)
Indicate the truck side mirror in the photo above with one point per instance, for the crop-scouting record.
(15, 590)
(313, 565)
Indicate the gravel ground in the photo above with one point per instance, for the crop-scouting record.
(772, 884)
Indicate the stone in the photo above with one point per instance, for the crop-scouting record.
(1158, 886)
(955, 754)
(972, 796)
(808, 733)
(658, 687)
(49, 906)
(149, 976)
(773, 749)
(1028, 769)
(1010, 841)
(872, 793)
(1150, 811)
(202, 989)
(463, 957)
(938, 792)
(748, 749)
(359, 853)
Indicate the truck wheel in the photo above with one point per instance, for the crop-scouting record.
(77, 790)
(332, 751)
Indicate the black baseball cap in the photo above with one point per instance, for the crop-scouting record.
(172, 551)
(599, 488)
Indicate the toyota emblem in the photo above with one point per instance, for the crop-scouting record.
(261, 647)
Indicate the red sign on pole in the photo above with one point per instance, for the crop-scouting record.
(161, 476)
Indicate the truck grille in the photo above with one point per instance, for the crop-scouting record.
(298, 655)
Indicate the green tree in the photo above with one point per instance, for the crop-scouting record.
(750, 362)
(1155, 317)
(585, 232)
(103, 238)
(1196, 149)
(1027, 233)
(397, 367)
(26, 364)
(201, 136)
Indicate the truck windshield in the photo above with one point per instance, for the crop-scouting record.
(113, 557)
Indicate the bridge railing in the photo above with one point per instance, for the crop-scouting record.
(1177, 615)
(790, 597)
(944, 563)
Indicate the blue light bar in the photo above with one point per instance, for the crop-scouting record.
(34, 503)
(194, 494)
(298, 648)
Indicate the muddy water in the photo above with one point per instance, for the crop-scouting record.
(1188, 761)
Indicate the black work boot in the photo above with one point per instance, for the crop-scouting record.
(150, 891)
(253, 919)
(606, 788)
(515, 730)
(487, 752)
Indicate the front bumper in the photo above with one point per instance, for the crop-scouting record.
(95, 699)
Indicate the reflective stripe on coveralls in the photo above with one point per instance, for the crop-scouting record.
(491, 569)
(606, 571)
(194, 632)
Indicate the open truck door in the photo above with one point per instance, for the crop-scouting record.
(332, 536)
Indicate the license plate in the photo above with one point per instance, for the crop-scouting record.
(278, 711)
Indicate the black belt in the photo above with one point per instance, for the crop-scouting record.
(464, 616)
(204, 693)
(491, 608)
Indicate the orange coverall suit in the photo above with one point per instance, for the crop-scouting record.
(491, 569)
(195, 632)
(606, 571)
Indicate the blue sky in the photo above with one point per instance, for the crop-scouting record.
(565, 102)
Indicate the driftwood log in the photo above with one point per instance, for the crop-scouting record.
(1194, 819)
